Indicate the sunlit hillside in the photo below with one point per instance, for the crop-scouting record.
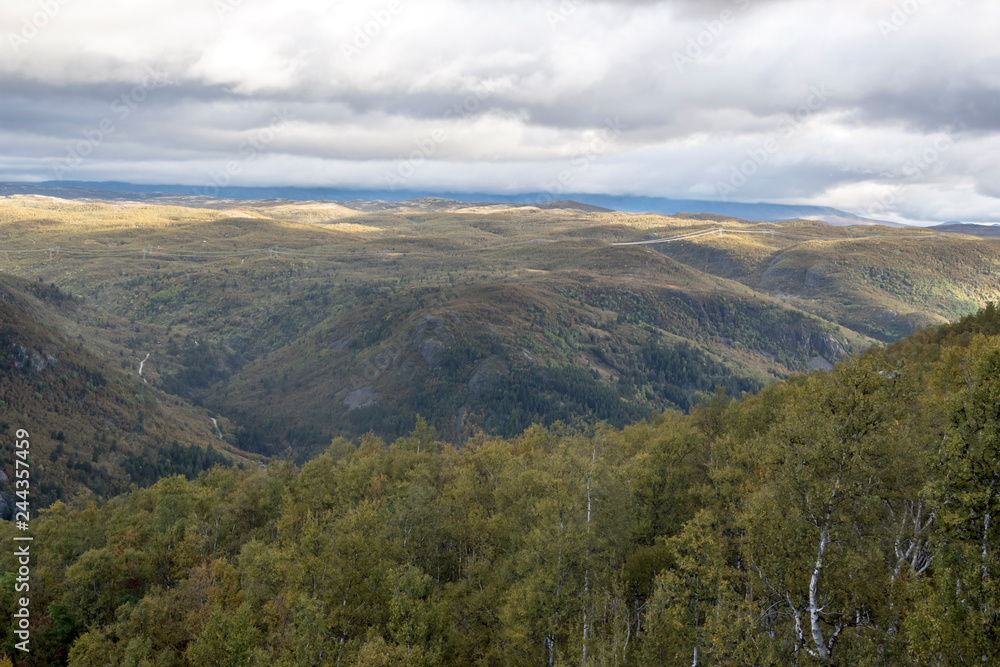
(298, 322)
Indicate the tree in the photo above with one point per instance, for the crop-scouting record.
(227, 640)
(820, 522)
(963, 603)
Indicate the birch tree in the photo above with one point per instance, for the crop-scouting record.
(818, 523)
(958, 619)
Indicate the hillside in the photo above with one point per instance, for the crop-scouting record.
(881, 282)
(92, 426)
(500, 357)
(969, 228)
(303, 321)
(505, 522)
(833, 518)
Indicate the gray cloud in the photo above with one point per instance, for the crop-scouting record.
(502, 94)
(959, 107)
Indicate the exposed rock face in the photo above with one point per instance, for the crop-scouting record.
(779, 273)
(829, 347)
(360, 398)
(819, 343)
(432, 351)
(30, 361)
(817, 275)
(820, 364)
(431, 337)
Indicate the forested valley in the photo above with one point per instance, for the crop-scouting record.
(841, 517)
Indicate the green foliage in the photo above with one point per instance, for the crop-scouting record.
(845, 517)
(986, 322)
(820, 521)
(202, 365)
(879, 282)
(187, 460)
(966, 501)
(578, 330)
(227, 640)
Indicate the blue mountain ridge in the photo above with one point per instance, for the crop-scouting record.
(762, 211)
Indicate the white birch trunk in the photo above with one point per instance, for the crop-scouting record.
(817, 632)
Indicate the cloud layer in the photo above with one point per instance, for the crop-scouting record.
(886, 108)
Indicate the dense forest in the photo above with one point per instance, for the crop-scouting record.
(840, 517)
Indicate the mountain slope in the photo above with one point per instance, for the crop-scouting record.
(91, 426)
(880, 282)
(500, 357)
(300, 322)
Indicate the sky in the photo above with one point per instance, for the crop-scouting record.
(888, 109)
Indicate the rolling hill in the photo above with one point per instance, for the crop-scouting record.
(883, 284)
(969, 228)
(302, 321)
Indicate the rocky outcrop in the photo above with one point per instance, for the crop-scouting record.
(360, 398)
(432, 336)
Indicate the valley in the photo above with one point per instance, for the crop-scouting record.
(426, 434)
(297, 322)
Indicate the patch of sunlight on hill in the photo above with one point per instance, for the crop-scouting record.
(354, 228)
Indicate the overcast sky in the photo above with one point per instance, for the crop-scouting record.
(884, 108)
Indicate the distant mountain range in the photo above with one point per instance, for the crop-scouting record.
(970, 228)
(198, 196)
